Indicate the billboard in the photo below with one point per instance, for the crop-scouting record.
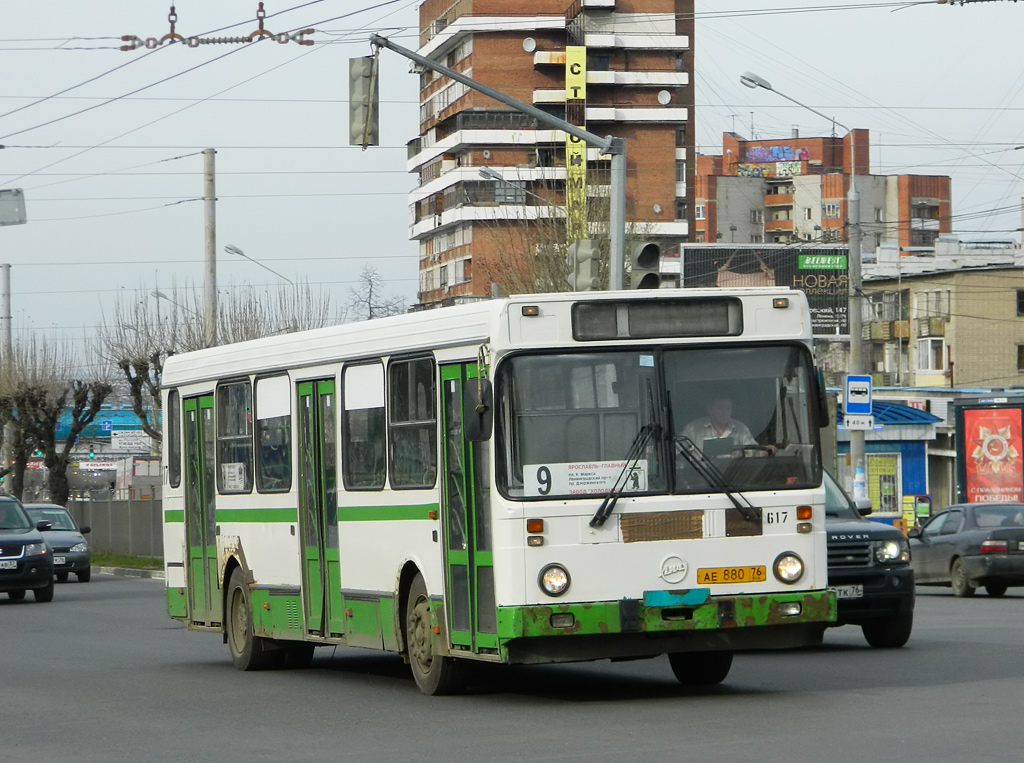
(988, 435)
(819, 272)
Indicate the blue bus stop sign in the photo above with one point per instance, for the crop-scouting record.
(858, 395)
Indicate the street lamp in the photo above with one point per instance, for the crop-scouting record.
(732, 234)
(231, 249)
(854, 316)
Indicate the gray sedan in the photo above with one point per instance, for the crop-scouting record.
(971, 545)
(66, 539)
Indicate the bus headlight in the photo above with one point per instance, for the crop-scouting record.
(788, 567)
(554, 580)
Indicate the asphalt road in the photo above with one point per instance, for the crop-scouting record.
(101, 675)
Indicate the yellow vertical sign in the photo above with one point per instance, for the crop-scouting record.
(576, 149)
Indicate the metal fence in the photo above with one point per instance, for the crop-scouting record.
(132, 527)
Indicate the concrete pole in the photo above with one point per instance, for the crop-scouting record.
(210, 272)
(5, 311)
(855, 318)
(617, 217)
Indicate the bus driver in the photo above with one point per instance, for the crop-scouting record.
(719, 425)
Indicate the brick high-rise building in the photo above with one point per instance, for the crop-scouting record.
(616, 67)
(792, 190)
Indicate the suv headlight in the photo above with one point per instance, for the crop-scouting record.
(78, 547)
(34, 549)
(892, 551)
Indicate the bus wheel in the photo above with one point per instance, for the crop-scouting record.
(248, 651)
(700, 668)
(434, 673)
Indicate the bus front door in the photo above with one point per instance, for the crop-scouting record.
(469, 587)
(200, 511)
(318, 508)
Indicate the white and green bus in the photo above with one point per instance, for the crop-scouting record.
(508, 481)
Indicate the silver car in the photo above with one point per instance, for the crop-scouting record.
(66, 539)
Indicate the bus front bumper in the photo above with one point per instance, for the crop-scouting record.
(663, 622)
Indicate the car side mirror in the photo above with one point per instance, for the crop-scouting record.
(85, 529)
(914, 532)
(42, 525)
(863, 506)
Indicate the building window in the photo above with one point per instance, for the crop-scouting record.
(680, 136)
(510, 192)
(807, 213)
(413, 424)
(680, 172)
(757, 216)
(1020, 301)
(234, 437)
(682, 209)
(931, 355)
(1020, 358)
(698, 214)
(600, 62)
(878, 214)
(933, 304)
(756, 238)
(680, 62)
(830, 211)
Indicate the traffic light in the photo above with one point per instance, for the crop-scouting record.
(363, 103)
(584, 260)
(644, 265)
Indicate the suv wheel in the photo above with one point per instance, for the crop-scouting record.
(888, 633)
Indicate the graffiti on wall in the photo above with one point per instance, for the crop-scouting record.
(768, 154)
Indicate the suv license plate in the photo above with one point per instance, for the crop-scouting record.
(9, 564)
(59, 560)
(849, 591)
(706, 575)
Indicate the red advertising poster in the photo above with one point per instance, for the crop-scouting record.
(992, 445)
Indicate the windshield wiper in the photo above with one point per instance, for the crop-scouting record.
(636, 450)
(713, 476)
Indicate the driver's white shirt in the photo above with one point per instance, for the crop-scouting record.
(702, 429)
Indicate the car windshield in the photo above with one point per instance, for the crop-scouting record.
(837, 504)
(12, 517)
(58, 518)
(644, 421)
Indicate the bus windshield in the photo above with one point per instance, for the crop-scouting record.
(665, 420)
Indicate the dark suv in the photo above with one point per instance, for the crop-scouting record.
(26, 562)
(869, 569)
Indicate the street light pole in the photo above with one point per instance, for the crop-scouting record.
(854, 317)
(231, 249)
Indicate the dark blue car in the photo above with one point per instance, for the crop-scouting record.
(26, 562)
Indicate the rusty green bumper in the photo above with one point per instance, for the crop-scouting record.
(663, 622)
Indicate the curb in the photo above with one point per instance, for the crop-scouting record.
(123, 572)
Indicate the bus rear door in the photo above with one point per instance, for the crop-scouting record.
(204, 595)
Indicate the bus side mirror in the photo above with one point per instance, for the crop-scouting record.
(823, 417)
(477, 409)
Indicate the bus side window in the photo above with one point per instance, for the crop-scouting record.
(234, 437)
(363, 464)
(413, 423)
(273, 435)
(174, 438)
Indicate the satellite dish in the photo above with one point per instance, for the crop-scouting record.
(487, 154)
(664, 97)
(529, 45)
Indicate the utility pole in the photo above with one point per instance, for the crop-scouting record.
(210, 273)
(5, 312)
(615, 147)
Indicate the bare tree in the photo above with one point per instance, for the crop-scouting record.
(368, 300)
(44, 384)
(140, 335)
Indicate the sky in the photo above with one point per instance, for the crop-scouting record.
(106, 144)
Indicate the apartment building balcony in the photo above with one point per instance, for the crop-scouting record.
(778, 200)
(666, 42)
(637, 114)
(443, 34)
(884, 331)
(928, 327)
(918, 223)
(778, 226)
(517, 213)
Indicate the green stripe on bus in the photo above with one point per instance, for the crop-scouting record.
(174, 515)
(381, 513)
(257, 515)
